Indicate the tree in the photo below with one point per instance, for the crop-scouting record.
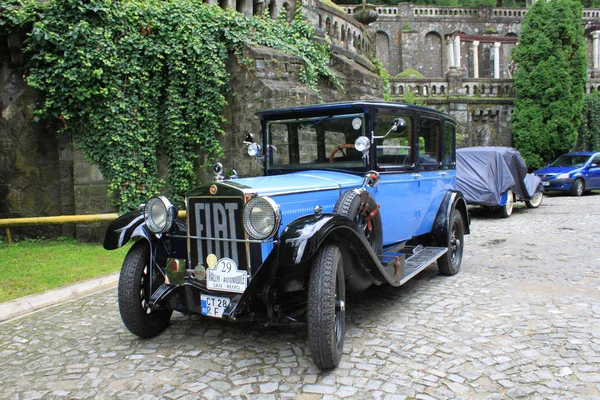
(549, 80)
(589, 130)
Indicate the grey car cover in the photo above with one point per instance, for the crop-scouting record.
(483, 174)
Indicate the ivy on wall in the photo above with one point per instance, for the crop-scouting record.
(589, 130)
(132, 79)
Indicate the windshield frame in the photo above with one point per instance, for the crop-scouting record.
(312, 122)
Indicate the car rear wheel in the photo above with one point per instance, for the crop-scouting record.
(507, 209)
(449, 263)
(535, 200)
(577, 188)
(326, 308)
(134, 292)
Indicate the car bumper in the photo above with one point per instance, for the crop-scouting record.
(557, 185)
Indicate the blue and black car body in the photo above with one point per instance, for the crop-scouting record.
(353, 194)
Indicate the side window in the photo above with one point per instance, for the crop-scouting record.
(448, 153)
(394, 149)
(429, 142)
(596, 161)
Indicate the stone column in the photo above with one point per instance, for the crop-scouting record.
(595, 60)
(457, 51)
(496, 60)
(246, 7)
(475, 49)
(450, 48)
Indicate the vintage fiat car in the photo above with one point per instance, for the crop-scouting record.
(352, 195)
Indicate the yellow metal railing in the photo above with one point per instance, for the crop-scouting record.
(60, 220)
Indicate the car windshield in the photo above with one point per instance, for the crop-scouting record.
(316, 142)
(567, 160)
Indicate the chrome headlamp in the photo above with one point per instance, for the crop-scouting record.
(261, 218)
(159, 214)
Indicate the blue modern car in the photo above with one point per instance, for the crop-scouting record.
(573, 172)
(352, 194)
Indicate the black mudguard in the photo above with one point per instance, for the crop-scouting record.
(121, 230)
(453, 200)
(301, 240)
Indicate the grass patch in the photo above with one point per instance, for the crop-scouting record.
(33, 266)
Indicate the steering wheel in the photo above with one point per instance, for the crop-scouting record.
(341, 148)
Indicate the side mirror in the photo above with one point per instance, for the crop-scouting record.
(249, 138)
(399, 125)
(593, 165)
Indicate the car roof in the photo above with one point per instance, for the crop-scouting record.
(349, 106)
(582, 153)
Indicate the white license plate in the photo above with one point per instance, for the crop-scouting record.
(545, 183)
(213, 306)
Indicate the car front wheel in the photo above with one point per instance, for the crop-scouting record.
(134, 291)
(449, 263)
(577, 188)
(326, 308)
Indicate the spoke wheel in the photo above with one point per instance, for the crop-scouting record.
(326, 308)
(507, 209)
(535, 201)
(449, 263)
(134, 292)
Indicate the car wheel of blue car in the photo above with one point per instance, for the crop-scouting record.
(134, 292)
(577, 188)
(326, 314)
(507, 209)
(362, 208)
(449, 263)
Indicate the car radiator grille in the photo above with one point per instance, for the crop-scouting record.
(216, 218)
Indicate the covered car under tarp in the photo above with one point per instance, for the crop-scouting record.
(484, 174)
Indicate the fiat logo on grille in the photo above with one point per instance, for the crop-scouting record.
(213, 189)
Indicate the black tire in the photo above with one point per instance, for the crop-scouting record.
(578, 187)
(326, 308)
(535, 201)
(134, 291)
(350, 205)
(449, 263)
(507, 209)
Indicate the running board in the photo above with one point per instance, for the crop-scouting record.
(404, 266)
(421, 259)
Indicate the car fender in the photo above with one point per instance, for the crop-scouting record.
(121, 230)
(453, 200)
(303, 238)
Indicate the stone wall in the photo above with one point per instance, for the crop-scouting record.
(29, 163)
(273, 81)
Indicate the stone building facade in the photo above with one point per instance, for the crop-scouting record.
(461, 57)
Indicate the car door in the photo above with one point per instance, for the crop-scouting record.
(594, 173)
(435, 176)
(399, 186)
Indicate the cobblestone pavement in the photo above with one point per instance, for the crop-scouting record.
(521, 319)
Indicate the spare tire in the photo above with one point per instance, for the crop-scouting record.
(358, 205)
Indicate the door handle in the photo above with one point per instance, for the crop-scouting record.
(417, 176)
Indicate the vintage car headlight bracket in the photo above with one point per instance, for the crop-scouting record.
(159, 214)
(261, 218)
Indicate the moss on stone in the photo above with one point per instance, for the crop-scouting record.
(410, 73)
